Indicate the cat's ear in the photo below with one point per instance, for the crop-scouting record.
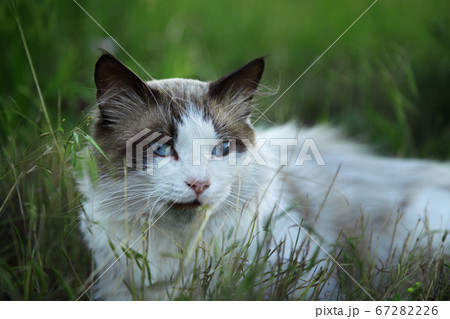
(241, 83)
(113, 78)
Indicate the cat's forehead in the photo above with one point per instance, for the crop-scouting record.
(194, 126)
(189, 95)
(185, 105)
(194, 113)
(182, 89)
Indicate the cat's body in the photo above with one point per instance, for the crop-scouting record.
(157, 222)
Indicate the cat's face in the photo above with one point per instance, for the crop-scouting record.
(191, 135)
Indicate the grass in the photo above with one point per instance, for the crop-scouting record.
(385, 81)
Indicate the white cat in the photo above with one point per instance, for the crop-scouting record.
(208, 184)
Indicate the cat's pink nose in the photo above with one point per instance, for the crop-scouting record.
(198, 186)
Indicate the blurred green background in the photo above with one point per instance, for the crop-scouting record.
(386, 81)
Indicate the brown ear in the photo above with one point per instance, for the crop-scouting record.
(112, 76)
(243, 81)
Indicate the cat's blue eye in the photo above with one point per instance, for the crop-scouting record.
(162, 149)
(221, 149)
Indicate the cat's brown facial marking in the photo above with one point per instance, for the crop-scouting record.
(128, 105)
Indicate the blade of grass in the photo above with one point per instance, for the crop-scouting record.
(38, 88)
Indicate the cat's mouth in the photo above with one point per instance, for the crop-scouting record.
(188, 205)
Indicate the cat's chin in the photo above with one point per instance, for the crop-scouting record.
(181, 213)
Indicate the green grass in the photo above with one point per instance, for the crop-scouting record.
(386, 81)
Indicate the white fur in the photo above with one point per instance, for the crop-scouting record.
(367, 189)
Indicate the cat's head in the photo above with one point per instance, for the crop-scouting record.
(183, 131)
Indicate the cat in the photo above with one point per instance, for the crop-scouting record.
(207, 183)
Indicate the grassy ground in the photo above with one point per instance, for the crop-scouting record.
(386, 81)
